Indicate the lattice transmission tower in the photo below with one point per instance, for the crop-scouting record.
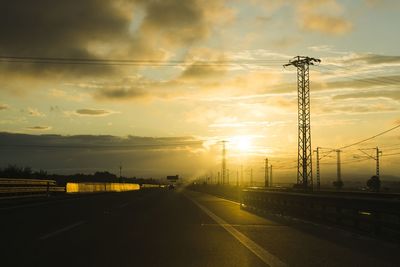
(223, 167)
(304, 156)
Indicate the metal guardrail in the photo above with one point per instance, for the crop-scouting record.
(374, 215)
(352, 193)
(8, 181)
(19, 188)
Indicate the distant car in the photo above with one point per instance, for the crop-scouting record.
(171, 186)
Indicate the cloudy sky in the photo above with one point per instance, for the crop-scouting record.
(167, 80)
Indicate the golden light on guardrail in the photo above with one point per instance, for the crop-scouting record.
(100, 187)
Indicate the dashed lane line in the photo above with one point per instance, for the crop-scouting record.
(260, 252)
(64, 229)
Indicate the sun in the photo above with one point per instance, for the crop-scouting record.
(242, 143)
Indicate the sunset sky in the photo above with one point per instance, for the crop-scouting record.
(208, 71)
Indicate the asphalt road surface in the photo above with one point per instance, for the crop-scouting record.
(161, 227)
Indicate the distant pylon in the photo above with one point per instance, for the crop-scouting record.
(223, 171)
(318, 169)
(304, 157)
(339, 170)
(270, 175)
(266, 178)
(251, 177)
(241, 175)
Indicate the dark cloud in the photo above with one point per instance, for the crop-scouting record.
(46, 28)
(119, 93)
(181, 21)
(55, 109)
(39, 128)
(97, 141)
(94, 112)
(43, 27)
(200, 71)
(141, 156)
(4, 106)
(99, 28)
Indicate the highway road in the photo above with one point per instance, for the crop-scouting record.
(160, 227)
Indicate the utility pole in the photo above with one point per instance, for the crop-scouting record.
(376, 158)
(266, 178)
(120, 171)
(237, 178)
(318, 170)
(270, 175)
(241, 175)
(338, 169)
(378, 153)
(227, 176)
(304, 157)
(251, 177)
(223, 162)
(219, 178)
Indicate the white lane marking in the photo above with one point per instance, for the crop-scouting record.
(231, 201)
(220, 197)
(69, 227)
(264, 255)
(246, 225)
(124, 205)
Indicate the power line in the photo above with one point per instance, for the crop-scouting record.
(369, 75)
(369, 80)
(386, 155)
(137, 62)
(345, 162)
(370, 138)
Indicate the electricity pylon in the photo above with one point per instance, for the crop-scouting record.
(270, 175)
(318, 169)
(251, 177)
(304, 157)
(266, 178)
(338, 166)
(223, 171)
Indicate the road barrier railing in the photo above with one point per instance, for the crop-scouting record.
(20, 188)
(374, 215)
